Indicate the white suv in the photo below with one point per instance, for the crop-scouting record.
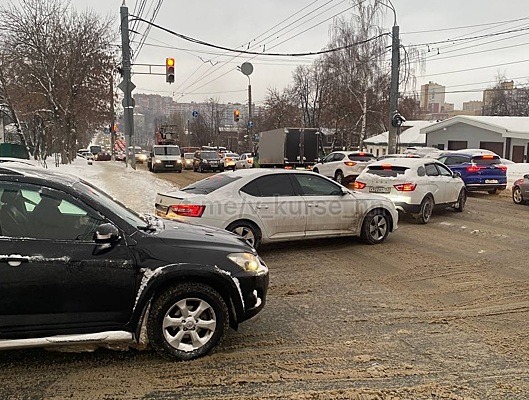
(415, 185)
(344, 166)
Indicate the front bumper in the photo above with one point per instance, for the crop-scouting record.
(254, 289)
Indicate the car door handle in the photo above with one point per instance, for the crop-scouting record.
(262, 207)
(15, 260)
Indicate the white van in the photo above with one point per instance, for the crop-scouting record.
(165, 157)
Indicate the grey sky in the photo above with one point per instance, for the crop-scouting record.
(231, 24)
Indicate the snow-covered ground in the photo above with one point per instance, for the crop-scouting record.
(135, 188)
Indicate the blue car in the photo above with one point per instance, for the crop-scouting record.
(480, 171)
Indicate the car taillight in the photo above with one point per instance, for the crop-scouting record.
(473, 168)
(250, 161)
(405, 187)
(502, 167)
(228, 159)
(188, 210)
(349, 163)
(358, 185)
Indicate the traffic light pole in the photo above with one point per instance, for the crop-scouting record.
(394, 89)
(127, 87)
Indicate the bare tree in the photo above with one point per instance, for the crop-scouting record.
(59, 63)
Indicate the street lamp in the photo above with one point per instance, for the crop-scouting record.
(247, 68)
(394, 86)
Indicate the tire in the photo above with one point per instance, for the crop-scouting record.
(249, 231)
(461, 201)
(316, 170)
(338, 176)
(517, 195)
(221, 170)
(173, 325)
(426, 210)
(199, 169)
(375, 228)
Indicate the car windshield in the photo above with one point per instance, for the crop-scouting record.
(189, 156)
(486, 159)
(210, 184)
(232, 155)
(209, 155)
(387, 170)
(168, 151)
(108, 202)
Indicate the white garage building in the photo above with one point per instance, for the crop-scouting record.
(506, 136)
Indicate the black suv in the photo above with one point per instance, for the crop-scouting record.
(78, 267)
(207, 160)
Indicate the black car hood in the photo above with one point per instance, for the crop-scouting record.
(202, 236)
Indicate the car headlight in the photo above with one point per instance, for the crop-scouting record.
(205, 161)
(248, 262)
(157, 161)
(179, 161)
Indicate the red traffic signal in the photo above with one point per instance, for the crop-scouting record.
(169, 70)
(236, 115)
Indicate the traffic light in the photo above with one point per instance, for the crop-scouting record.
(169, 70)
(236, 115)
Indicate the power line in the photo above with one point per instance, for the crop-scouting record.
(309, 53)
(478, 68)
(465, 27)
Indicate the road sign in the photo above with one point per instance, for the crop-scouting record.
(195, 113)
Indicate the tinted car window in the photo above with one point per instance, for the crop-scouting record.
(270, 186)
(339, 157)
(431, 170)
(170, 151)
(486, 160)
(445, 171)
(313, 185)
(210, 184)
(358, 157)
(454, 160)
(383, 170)
(209, 155)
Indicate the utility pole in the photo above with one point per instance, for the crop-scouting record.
(394, 89)
(127, 87)
(112, 118)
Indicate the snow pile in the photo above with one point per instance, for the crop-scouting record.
(136, 189)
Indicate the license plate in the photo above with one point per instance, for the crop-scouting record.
(169, 165)
(214, 164)
(377, 189)
(491, 181)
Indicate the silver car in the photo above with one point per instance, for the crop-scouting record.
(520, 190)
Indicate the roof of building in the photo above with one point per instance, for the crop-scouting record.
(412, 135)
(514, 127)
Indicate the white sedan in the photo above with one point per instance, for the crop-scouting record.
(415, 185)
(269, 205)
(245, 161)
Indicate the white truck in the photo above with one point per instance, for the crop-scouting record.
(165, 157)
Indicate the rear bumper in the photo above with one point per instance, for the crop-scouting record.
(408, 208)
(475, 187)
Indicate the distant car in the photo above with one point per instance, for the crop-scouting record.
(139, 154)
(415, 185)
(229, 160)
(520, 190)
(343, 166)
(187, 160)
(245, 161)
(480, 170)
(78, 267)
(86, 154)
(103, 156)
(207, 160)
(271, 205)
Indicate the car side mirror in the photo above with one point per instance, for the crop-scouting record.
(345, 191)
(526, 176)
(106, 233)
(456, 174)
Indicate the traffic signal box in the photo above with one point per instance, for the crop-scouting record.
(236, 115)
(169, 70)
